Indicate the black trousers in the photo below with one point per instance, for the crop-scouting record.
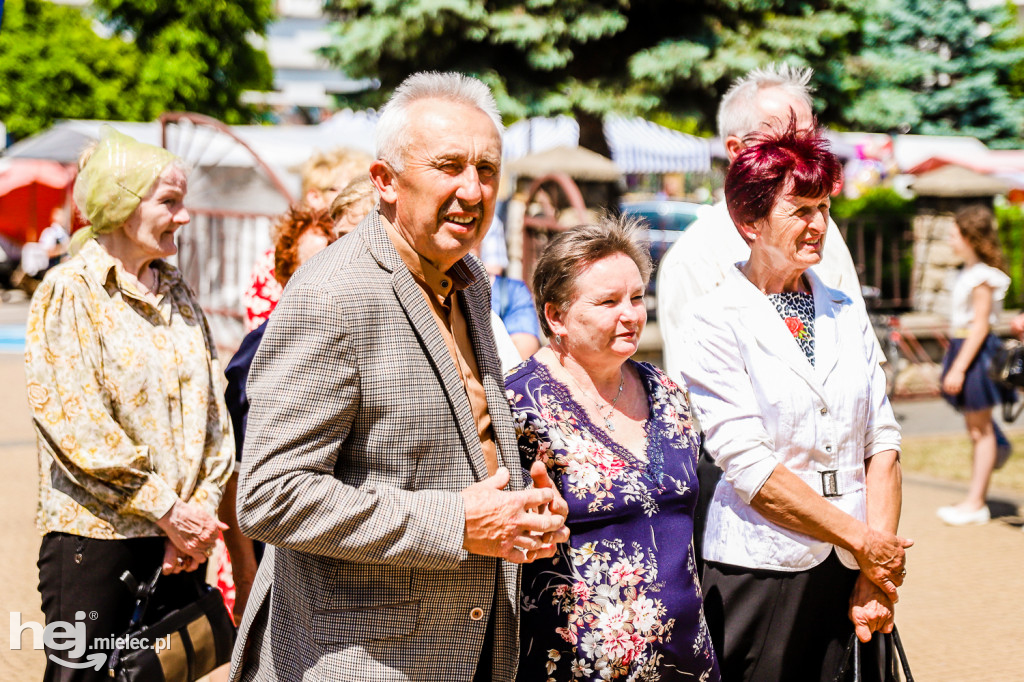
(79, 583)
(775, 626)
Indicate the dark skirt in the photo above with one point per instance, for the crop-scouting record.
(776, 626)
(979, 391)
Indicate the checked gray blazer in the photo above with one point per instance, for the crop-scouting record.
(360, 438)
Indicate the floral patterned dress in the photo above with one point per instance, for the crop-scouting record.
(621, 600)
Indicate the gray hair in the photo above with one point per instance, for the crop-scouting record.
(738, 113)
(392, 137)
(568, 254)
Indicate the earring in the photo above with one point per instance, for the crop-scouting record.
(558, 339)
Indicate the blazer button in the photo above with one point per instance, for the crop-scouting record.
(476, 614)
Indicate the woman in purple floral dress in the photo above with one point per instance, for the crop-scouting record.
(621, 600)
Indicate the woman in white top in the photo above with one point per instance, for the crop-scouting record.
(784, 378)
(976, 301)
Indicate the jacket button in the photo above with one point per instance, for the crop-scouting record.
(828, 448)
(824, 410)
(476, 614)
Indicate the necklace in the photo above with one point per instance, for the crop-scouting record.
(607, 418)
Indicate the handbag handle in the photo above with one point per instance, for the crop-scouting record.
(852, 655)
(901, 654)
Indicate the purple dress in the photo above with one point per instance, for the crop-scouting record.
(621, 600)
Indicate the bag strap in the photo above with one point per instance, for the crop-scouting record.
(901, 654)
(143, 592)
(1012, 410)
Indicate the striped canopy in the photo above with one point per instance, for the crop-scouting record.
(637, 145)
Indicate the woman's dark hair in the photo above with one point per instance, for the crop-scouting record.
(568, 254)
(288, 230)
(977, 226)
(789, 161)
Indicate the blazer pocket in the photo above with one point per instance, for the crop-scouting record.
(341, 626)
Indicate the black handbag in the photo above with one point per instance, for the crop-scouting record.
(182, 646)
(850, 668)
(1007, 369)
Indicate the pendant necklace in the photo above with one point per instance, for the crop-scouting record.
(607, 418)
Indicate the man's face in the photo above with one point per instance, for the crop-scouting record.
(443, 199)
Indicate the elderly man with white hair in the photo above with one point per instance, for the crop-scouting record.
(380, 441)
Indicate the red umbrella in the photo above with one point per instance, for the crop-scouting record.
(29, 191)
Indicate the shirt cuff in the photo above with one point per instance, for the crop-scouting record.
(207, 497)
(748, 479)
(153, 499)
(883, 446)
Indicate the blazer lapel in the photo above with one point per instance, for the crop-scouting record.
(410, 297)
(768, 330)
(826, 330)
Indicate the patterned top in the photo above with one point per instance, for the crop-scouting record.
(621, 600)
(797, 310)
(263, 293)
(127, 398)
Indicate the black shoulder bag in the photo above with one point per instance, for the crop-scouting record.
(182, 646)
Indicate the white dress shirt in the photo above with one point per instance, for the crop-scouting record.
(761, 404)
(705, 252)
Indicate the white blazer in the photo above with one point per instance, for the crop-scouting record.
(761, 404)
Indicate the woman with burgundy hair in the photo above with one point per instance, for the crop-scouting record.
(784, 377)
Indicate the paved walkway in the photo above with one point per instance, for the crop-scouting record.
(961, 613)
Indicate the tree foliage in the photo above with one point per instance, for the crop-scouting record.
(184, 55)
(197, 54)
(936, 67)
(54, 66)
(588, 57)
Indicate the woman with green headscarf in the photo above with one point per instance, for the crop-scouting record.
(126, 392)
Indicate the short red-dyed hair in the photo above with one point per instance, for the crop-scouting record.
(790, 161)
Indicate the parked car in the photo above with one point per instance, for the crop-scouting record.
(665, 220)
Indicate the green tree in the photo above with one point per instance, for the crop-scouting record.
(196, 54)
(936, 67)
(54, 66)
(588, 57)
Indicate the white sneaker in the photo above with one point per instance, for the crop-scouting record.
(954, 516)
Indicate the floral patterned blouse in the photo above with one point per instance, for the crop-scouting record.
(621, 600)
(127, 398)
(263, 293)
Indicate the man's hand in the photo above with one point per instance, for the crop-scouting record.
(558, 506)
(870, 610)
(518, 526)
(192, 530)
(882, 559)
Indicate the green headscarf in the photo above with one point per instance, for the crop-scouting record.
(112, 183)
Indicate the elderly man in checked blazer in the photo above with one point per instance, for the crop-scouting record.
(380, 443)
